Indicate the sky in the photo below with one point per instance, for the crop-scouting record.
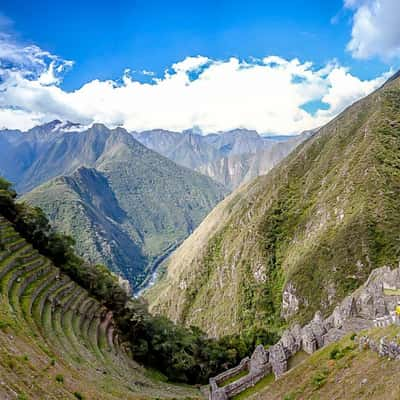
(279, 67)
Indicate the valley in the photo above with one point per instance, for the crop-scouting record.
(200, 200)
(124, 204)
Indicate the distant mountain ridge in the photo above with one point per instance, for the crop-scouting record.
(124, 203)
(231, 157)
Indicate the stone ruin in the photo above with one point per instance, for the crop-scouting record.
(373, 304)
(385, 348)
(257, 367)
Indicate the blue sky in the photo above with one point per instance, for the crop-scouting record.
(102, 39)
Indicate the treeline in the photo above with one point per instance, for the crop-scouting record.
(182, 354)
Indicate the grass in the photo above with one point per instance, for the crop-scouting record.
(262, 384)
(233, 378)
(297, 359)
(391, 292)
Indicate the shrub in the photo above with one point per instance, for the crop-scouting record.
(59, 378)
(289, 396)
(336, 354)
(319, 379)
(79, 396)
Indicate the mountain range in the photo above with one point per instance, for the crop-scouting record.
(300, 238)
(125, 204)
(231, 158)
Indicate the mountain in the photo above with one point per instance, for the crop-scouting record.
(299, 238)
(230, 158)
(236, 169)
(187, 149)
(124, 204)
(237, 141)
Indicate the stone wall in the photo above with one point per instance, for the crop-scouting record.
(385, 348)
(370, 305)
(258, 367)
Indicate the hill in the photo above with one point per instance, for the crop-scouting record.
(124, 204)
(300, 238)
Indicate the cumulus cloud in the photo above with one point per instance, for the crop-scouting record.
(376, 28)
(270, 95)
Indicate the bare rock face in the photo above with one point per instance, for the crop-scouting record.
(259, 359)
(290, 302)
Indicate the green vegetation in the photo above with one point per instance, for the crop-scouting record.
(182, 354)
(319, 379)
(47, 317)
(263, 383)
(311, 230)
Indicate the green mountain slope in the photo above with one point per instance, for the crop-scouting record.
(125, 205)
(59, 342)
(300, 238)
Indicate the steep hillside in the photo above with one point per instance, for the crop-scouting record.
(59, 342)
(124, 204)
(85, 206)
(300, 238)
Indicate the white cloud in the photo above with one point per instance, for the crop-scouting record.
(190, 64)
(376, 28)
(267, 95)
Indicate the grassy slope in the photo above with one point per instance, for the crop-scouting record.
(321, 221)
(49, 356)
(357, 375)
